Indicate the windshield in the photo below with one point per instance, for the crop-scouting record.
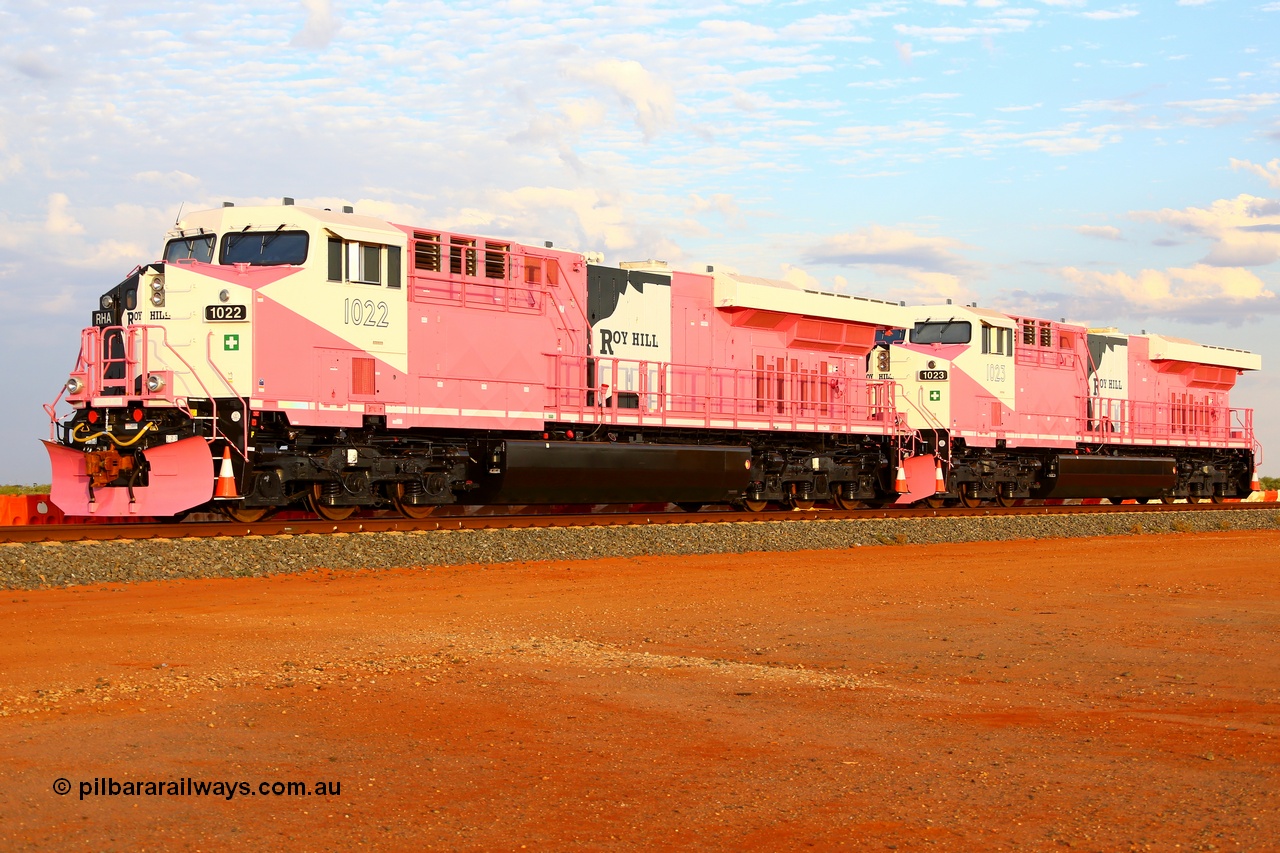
(190, 249)
(941, 332)
(264, 248)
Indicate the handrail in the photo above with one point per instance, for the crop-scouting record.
(668, 394)
(563, 279)
(136, 340)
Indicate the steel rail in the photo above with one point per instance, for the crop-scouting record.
(296, 527)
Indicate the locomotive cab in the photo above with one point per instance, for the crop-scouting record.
(165, 380)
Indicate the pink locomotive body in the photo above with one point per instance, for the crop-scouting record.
(1026, 407)
(280, 355)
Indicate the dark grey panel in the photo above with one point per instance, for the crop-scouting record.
(1112, 477)
(605, 286)
(601, 472)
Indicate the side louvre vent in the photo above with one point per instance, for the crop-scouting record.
(362, 377)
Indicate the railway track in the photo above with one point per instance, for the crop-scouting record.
(202, 529)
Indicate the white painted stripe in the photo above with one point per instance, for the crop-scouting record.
(499, 413)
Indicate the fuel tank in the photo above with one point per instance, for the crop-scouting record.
(1111, 476)
(532, 472)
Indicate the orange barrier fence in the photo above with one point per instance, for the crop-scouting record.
(28, 509)
(38, 509)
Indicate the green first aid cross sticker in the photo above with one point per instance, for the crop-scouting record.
(935, 396)
(231, 343)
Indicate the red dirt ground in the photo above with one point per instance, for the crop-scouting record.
(1109, 694)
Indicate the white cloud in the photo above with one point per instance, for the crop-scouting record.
(1102, 232)
(173, 178)
(600, 220)
(801, 278)
(60, 222)
(722, 203)
(652, 100)
(1111, 14)
(320, 26)
(1062, 141)
(949, 35)
(1199, 293)
(1269, 173)
(1114, 105)
(1245, 230)
(893, 247)
(1214, 112)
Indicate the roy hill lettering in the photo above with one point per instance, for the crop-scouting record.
(637, 339)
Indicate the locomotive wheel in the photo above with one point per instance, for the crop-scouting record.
(969, 496)
(1142, 501)
(328, 513)
(1001, 500)
(797, 503)
(1218, 499)
(934, 501)
(1116, 501)
(409, 510)
(848, 503)
(755, 506)
(1196, 499)
(1167, 499)
(245, 515)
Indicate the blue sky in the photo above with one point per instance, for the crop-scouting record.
(1114, 163)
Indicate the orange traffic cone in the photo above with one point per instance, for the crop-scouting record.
(900, 486)
(1254, 484)
(226, 478)
(940, 483)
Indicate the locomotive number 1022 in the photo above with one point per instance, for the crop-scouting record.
(366, 312)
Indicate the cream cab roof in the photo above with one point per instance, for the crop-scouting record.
(987, 316)
(348, 226)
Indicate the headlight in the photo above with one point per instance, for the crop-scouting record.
(224, 296)
(157, 283)
(155, 382)
(107, 301)
(157, 298)
(74, 386)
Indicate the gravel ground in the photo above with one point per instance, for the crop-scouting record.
(30, 566)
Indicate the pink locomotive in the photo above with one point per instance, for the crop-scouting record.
(278, 356)
(1019, 407)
